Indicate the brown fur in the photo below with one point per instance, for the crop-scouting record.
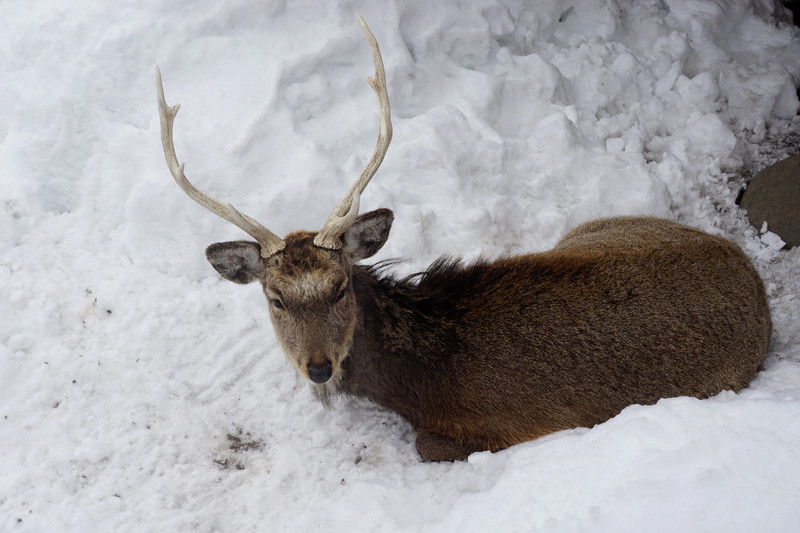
(480, 357)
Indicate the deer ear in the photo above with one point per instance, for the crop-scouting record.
(237, 261)
(367, 235)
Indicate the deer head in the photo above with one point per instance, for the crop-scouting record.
(306, 276)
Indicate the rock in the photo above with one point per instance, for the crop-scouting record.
(774, 196)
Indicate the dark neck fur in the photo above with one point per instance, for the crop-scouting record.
(398, 344)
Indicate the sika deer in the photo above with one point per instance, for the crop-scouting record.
(483, 356)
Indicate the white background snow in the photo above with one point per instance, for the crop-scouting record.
(140, 392)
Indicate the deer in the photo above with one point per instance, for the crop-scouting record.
(490, 354)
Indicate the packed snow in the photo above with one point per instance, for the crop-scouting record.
(141, 392)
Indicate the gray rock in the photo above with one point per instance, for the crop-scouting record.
(774, 195)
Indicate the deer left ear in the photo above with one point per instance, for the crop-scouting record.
(367, 235)
(237, 261)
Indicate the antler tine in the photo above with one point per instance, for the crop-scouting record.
(270, 243)
(346, 211)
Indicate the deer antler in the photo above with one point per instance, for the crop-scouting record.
(346, 211)
(270, 243)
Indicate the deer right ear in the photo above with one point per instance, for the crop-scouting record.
(237, 261)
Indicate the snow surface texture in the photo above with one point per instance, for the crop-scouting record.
(140, 392)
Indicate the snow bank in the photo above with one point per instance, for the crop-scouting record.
(139, 392)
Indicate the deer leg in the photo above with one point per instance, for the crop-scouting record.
(435, 447)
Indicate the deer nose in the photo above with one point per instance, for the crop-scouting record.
(320, 373)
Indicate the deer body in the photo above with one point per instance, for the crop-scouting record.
(623, 311)
(480, 357)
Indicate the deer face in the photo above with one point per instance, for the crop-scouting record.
(309, 290)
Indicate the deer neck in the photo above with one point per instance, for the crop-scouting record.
(387, 362)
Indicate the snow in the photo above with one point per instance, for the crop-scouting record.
(140, 392)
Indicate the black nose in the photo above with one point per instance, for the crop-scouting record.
(321, 373)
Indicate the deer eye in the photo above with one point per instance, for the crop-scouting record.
(276, 303)
(341, 294)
